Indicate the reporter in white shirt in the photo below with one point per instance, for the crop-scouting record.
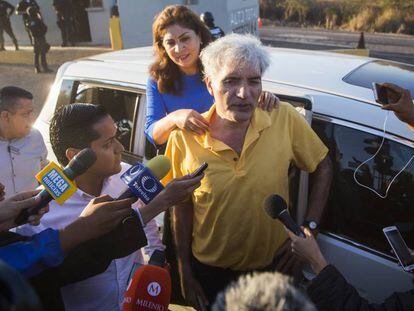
(22, 150)
(73, 128)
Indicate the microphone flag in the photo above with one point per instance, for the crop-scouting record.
(142, 182)
(56, 183)
(150, 287)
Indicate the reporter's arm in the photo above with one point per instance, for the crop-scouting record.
(11, 208)
(35, 253)
(100, 216)
(176, 191)
(48, 248)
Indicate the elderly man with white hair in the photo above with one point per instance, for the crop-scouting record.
(224, 232)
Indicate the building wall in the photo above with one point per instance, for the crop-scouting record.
(99, 23)
(243, 16)
(136, 20)
(137, 17)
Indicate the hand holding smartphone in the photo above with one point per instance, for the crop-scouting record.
(399, 247)
(199, 171)
(384, 95)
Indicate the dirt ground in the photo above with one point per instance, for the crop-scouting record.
(23, 76)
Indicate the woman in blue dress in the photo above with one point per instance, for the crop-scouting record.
(176, 93)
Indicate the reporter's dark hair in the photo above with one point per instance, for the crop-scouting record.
(72, 127)
(9, 96)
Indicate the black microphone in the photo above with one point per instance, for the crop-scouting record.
(76, 167)
(275, 206)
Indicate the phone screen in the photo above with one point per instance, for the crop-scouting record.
(200, 170)
(400, 248)
(380, 94)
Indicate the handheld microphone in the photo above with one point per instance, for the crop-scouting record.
(150, 287)
(58, 183)
(143, 181)
(275, 206)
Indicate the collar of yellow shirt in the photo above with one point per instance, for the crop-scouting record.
(260, 120)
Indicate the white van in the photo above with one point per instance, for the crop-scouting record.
(334, 93)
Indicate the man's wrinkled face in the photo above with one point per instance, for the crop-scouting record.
(236, 90)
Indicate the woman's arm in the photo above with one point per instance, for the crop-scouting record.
(159, 124)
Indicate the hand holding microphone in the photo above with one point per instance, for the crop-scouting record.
(276, 207)
(100, 216)
(58, 183)
(11, 207)
(177, 191)
(308, 249)
(143, 182)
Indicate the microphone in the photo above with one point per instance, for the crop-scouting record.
(143, 182)
(275, 206)
(150, 287)
(58, 183)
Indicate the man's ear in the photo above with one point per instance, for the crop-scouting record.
(71, 152)
(209, 83)
(4, 115)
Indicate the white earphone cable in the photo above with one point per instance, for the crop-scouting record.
(393, 179)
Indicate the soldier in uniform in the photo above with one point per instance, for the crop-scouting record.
(208, 20)
(21, 9)
(38, 31)
(6, 10)
(64, 16)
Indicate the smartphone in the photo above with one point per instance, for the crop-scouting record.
(400, 248)
(380, 93)
(200, 170)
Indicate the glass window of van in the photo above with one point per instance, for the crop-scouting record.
(122, 105)
(354, 212)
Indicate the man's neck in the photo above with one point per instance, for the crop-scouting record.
(231, 133)
(90, 184)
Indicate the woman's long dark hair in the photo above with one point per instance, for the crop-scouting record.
(164, 70)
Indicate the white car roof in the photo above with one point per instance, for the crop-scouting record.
(317, 75)
(309, 69)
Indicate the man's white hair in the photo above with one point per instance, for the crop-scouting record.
(267, 291)
(234, 49)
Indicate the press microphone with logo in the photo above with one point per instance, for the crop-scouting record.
(58, 183)
(144, 181)
(276, 207)
(150, 287)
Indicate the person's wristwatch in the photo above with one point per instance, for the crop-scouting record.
(312, 226)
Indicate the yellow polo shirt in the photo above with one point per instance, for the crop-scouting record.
(230, 227)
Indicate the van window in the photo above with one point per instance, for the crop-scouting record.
(122, 105)
(355, 212)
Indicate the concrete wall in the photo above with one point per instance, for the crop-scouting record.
(243, 16)
(99, 23)
(137, 17)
